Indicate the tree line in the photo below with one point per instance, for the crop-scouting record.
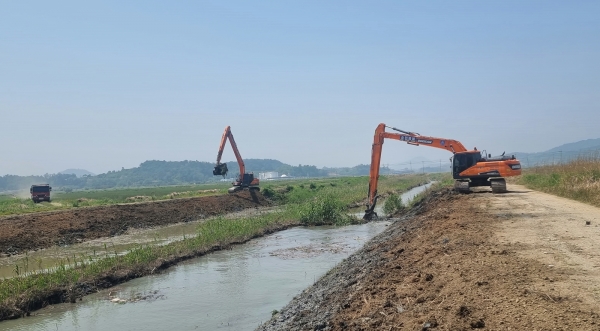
(162, 173)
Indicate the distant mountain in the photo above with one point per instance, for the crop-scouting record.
(588, 144)
(77, 172)
(563, 153)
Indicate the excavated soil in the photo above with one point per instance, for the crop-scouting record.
(463, 262)
(41, 230)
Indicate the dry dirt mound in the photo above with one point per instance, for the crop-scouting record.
(41, 230)
(440, 269)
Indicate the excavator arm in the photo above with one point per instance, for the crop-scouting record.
(410, 138)
(221, 168)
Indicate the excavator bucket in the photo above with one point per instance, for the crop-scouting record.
(220, 170)
(370, 213)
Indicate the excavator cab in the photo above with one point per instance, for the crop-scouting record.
(247, 179)
(221, 170)
(463, 161)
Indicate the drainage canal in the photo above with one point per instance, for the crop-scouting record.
(234, 289)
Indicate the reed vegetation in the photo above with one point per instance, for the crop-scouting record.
(577, 180)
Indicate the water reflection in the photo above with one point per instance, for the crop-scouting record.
(233, 289)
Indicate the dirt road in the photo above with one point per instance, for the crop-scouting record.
(517, 261)
(558, 232)
(41, 230)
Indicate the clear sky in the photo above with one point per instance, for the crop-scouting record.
(109, 84)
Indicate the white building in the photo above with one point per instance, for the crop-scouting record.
(268, 175)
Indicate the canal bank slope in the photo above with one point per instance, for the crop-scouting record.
(22, 233)
(518, 261)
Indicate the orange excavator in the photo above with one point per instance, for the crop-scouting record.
(469, 167)
(244, 180)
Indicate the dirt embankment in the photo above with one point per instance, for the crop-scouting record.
(462, 262)
(41, 230)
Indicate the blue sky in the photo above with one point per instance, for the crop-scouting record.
(111, 84)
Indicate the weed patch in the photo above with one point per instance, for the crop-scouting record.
(577, 180)
(393, 204)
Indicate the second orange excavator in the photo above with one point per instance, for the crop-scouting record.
(469, 167)
(244, 180)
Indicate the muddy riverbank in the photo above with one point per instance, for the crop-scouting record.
(22, 233)
(35, 299)
(448, 266)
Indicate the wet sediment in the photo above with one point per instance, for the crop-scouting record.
(439, 267)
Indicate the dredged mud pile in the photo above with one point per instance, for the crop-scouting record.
(41, 230)
(439, 268)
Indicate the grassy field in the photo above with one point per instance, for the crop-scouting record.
(10, 204)
(308, 202)
(577, 180)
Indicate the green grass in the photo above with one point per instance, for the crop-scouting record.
(348, 189)
(393, 204)
(10, 205)
(289, 191)
(218, 231)
(325, 208)
(577, 180)
(309, 202)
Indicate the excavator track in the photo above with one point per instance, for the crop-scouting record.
(498, 185)
(234, 189)
(462, 186)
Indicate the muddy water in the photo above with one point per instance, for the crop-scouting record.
(54, 256)
(406, 199)
(412, 193)
(235, 289)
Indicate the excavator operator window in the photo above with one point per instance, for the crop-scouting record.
(463, 161)
(248, 178)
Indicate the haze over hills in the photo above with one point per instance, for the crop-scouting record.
(77, 172)
(577, 146)
(414, 163)
(562, 153)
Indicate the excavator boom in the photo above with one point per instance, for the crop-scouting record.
(244, 180)
(219, 168)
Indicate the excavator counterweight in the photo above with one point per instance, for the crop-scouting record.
(469, 167)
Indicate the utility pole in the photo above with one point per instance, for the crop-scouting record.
(440, 165)
(560, 157)
(423, 167)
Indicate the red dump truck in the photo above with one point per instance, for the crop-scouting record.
(40, 192)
